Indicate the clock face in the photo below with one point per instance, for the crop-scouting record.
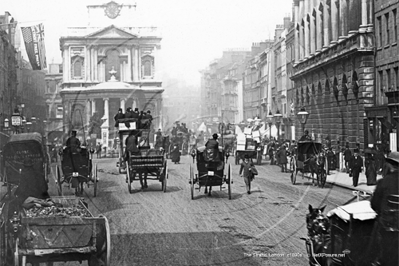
(112, 9)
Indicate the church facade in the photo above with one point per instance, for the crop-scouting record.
(107, 68)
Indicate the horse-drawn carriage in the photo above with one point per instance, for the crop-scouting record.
(77, 170)
(309, 158)
(148, 163)
(345, 236)
(35, 228)
(211, 171)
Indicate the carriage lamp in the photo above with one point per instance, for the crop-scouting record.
(277, 118)
(269, 120)
(303, 117)
(6, 123)
(28, 126)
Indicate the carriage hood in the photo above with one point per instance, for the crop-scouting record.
(360, 210)
(202, 148)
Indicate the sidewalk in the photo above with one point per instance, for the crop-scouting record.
(342, 179)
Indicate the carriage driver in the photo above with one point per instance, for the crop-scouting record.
(73, 142)
(212, 146)
(131, 144)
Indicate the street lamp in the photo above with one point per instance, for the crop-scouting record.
(269, 120)
(277, 119)
(303, 117)
(6, 124)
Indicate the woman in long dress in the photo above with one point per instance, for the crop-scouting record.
(175, 154)
(371, 170)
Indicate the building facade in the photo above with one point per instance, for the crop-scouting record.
(106, 68)
(381, 126)
(334, 67)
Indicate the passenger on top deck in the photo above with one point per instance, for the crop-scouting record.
(306, 136)
(118, 116)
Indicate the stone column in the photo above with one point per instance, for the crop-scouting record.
(343, 19)
(64, 56)
(301, 31)
(139, 63)
(327, 21)
(312, 41)
(67, 64)
(307, 35)
(92, 64)
(106, 108)
(95, 64)
(156, 61)
(296, 40)
(319, 30)
(87, 64)
(134, 64)
(88, 113)
(123, 101)
(134, 105)
(93, 106)
(334, 21)
(129, 65)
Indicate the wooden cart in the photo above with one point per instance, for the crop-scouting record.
(49, 239)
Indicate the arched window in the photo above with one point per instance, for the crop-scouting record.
(77, 69)
(147, 66)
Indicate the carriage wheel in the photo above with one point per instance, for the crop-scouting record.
(95, 180)
(129, 181)
(165, 178)
(192, 182)
(229, 180)
(293, 174)
(57, 172)
(103, 256)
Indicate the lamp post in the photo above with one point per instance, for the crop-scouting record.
(6, 124)
(277, 119)
(23, 125)
(303, 117)
(269, 120)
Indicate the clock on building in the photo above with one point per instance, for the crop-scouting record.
(112, 9)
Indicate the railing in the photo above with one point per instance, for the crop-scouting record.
(142, 31)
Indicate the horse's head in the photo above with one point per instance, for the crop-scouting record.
(317, 223)
(320, 158)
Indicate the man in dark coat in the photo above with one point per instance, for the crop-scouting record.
(385, 202)
(118, 116)
(282, 158)
(73, 142)
(347, 157)
(212, 148)
(306, 137)
(356, 166)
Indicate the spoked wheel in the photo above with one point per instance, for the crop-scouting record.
(293, 174)
(165, 178)
(94, 176)
(129, 181)
(58, 173)
(192, 182)
(229, 181)
(103, 256)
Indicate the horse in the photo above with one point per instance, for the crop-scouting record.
(316, 166)
(318, 241)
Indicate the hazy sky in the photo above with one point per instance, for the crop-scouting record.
(194, 32)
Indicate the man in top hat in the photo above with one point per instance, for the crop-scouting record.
(118, 116)
(385, 202)
(356, 166)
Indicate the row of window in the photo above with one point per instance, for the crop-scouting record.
(388, 80)
(387, 28)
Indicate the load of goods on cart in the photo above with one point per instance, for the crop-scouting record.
(36, 228)
(249, 143)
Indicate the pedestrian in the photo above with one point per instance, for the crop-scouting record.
(371, 171)
(175, 154)
(271, 153)
(282, 158)
(246, 172)
(356, 166)
(385, 203)
(98, 151)
(347, 157)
